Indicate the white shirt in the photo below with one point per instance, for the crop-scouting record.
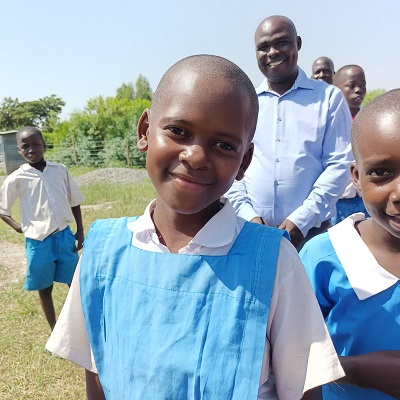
(45, 198)
(302, 154)
(298, 355)
(374, 278)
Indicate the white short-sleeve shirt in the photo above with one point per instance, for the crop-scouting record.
(299, 353)
(45, 198)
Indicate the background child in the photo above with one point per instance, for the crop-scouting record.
(49, 200)
(354, 267)
(189, 301)
(350, 79)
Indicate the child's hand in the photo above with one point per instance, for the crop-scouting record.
(294, 232)
(18, 229)
(79, 236)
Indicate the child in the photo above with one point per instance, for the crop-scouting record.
(350, 79)
(354, 267)
(49, 200)
(188, 301)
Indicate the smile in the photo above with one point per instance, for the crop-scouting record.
(275, 63)
(189, 183)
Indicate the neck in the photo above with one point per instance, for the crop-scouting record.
(40, 165)
(354, 111)
(176, 230)
(283, 86)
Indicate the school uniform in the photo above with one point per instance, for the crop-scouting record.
(45, 201)
(290, 352)
(358, 298)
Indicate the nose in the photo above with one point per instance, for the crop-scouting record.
(357, 89)
(195, 156)
(272, 52)
(395, 192)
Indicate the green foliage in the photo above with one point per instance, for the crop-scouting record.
(143, 90)
(371, 94)
(40, 113)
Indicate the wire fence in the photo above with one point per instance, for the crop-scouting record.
(96, 152)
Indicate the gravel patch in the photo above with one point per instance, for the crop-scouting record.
(112, 175)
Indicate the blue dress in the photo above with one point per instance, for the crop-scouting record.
(174, 326)
(356, 326)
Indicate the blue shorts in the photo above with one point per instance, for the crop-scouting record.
(346, 207)
(50, 260)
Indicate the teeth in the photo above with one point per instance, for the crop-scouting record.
(275, 63)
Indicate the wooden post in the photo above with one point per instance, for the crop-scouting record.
(74, 151)
(128, 159)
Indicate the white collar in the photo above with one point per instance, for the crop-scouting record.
(354, 254)
(219, 231)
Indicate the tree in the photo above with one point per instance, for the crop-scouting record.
(15, 114)
(126, 91)
(371, 94)
(143, 90)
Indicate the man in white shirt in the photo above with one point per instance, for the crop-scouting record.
(302, 151)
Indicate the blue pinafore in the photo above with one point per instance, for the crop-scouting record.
(175, 326)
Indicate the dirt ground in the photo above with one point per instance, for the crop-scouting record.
(12, 258)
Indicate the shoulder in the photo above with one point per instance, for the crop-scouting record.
(318, 247)
(102, 227)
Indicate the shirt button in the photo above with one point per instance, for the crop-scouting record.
(279, 119)
(278, 140)
(277, 160)
(276, 183)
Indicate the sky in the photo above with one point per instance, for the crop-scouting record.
(80, 49)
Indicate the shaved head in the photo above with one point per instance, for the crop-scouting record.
(277, 19)
(213, 66)
(29, 129)
(384, 105)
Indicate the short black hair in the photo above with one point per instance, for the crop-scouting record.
(213, 66)
(30, 129)
(387, 103)
(339, 73)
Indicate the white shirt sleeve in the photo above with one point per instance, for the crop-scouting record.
(299, 354)
(69, 338)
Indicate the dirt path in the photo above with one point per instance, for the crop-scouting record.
(12, 262)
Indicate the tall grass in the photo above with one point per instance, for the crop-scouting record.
(27, 371)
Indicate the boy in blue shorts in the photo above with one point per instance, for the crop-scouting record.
(49, 201)
(189, 301)
(354, 268)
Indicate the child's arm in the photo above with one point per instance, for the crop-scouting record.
(76, 211)
(378, 370)
(94, 391)
(10, 221)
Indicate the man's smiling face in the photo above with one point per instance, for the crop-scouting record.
(277, 46)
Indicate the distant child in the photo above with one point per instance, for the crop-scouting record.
(49, 200)
(189, 301)
(354, 268)
(350, 79)
(323, 69)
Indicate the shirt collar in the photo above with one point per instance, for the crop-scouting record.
(302, 81)
(373, 278)
(219, 231)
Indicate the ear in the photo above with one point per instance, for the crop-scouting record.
(143, 131)
(355, 175)
(299, 42)
(245, 162)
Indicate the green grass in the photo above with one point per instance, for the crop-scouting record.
(27, 371)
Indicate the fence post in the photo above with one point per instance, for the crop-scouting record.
(128, 159)
(74, 151)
